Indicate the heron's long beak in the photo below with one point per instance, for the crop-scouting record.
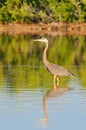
(37, 40)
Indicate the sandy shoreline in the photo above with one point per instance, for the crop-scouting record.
(43, 29)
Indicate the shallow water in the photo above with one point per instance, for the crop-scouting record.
(28, 99)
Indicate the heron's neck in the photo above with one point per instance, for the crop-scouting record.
(44, 54)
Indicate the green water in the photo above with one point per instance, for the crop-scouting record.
(27, 97)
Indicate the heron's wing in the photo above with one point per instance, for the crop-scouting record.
(58, 70)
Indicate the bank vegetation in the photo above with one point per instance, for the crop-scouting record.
(46, 11)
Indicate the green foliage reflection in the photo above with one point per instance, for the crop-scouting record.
(21, 60)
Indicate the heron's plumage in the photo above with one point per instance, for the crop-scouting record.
(58, 70)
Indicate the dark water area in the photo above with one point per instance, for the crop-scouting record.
(28, 99)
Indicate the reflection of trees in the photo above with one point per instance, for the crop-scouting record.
(18, 51)
(79, 50)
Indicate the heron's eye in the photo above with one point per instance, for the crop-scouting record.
(43, 38)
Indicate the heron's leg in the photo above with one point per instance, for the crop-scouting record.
(57, 81)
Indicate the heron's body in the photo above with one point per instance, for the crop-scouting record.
(54, 69)
(58, 70)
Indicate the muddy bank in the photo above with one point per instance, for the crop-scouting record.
(44, 29)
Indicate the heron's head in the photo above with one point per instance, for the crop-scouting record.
(41, 40)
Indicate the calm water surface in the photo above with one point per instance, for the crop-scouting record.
(28, 99)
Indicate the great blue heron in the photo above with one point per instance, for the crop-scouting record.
(54, 69)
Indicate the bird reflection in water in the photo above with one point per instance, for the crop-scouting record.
(54, 92)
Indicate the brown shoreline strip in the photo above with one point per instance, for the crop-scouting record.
(41, 28)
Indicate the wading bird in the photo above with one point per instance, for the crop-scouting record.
(54, 69)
